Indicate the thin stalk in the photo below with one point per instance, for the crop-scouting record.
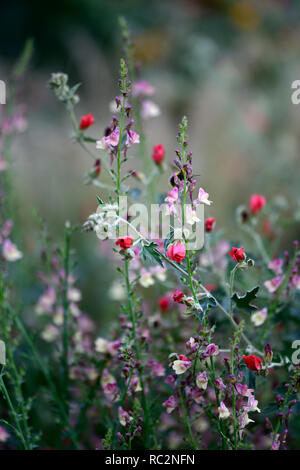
(65, 302)
(187, 421)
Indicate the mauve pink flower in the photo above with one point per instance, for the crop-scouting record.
(212, 349)
(276, 265)
(273, 284)
(132, 138)
(170, 404)
(10, 252)
(142, 88)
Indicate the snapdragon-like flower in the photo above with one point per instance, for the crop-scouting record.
(191, 216)
(106, 142)
(170, 404)
(224, 412)
(142, 88)
(259, 317)
(4, 436)
(276, 265)
(252, 404)
(212, 349)
(203, 198)
(124, 417)
(132, 138)
(243, 390)
(256, 203)
(181, 365)
(10, 252)
(176, 252)
(149, 109)
(202, 380)
(273, 284)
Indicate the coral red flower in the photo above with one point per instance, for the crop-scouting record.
(158, 153)
(124, 242)
(178, 296)
(237, 254)
(86, 121)
(209, 224)
(182, 357)
(256, 203)
(176, 252)
(253, 362)
(164, 304)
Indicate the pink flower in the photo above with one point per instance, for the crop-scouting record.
(142, 88)
(256, 203)
(10, 252)
(4, 436)
(220, 384)
(203, 198)
(176, 252)
(111, 140)
(149, 109)
(124, 416)
(212, 349)
(209, 224)
(273, 284)
(170, 404)
(276, 265)
(243, 390)
(132, 138)
(295, 281)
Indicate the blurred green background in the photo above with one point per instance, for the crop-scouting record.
(227, 65)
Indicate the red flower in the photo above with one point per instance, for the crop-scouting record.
(256, 203)
(237, 254)
(209, 224)
(176, 252)
(182, 357)
(86, 121)
(253, 362)
(164, 304)
(158, 153)
(124, 242)
(178, 296)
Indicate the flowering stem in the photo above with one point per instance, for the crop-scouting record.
(231, 284)
(137, 351)
(14, 414)
(289, 391)
(201, 286)
(187, 421)
(213, 379)
(118, 188)
(65, 346)
(281, 288)
(48, 378)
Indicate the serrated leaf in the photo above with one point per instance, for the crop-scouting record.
(150, 252)
(244, 302)
(206, 304)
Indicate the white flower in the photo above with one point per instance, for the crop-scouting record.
(50, 333)
(191, 216)
(74, 295)
(223, 411)
(244, 420)
(101, 345)
(10, 252)
(259, 317)
(116, 291)
(149, 109)
(252, 404)
(146, 279)
(180, 366)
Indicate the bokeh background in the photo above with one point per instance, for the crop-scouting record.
(227, 65)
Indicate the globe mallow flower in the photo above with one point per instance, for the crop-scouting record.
(253, 362)
(176, 252)
(86, 121)
(256, 203)
(237, 254)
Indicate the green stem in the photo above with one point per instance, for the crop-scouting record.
(187, 421)
(14, 414)
(65, 302)
(213, 379)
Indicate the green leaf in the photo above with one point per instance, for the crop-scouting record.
(150, 252)
(207, 304)
(244, 302)
(100, 202)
